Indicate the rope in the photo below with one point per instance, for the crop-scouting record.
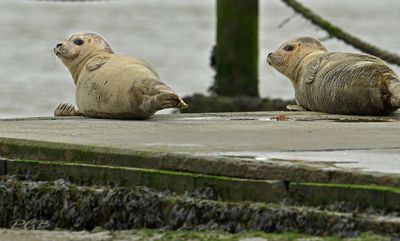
(338, 33)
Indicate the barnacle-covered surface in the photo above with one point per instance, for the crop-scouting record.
(62, 205)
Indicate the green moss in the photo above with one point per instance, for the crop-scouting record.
(42, 150)
(59, 152)
(229, 188)
(353, 186)
(145, 170)
(236, 51)
(148, 234)
(353, 195)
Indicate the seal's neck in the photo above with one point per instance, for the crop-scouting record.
(77, 65)
(301, 66)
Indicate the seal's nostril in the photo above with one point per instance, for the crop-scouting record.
(59, 45)
(269, 54)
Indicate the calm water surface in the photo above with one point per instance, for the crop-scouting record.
(176, 36)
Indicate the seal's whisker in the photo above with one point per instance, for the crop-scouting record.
(52, 61)
(270, 69)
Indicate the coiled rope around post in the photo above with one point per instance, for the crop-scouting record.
(338, 33)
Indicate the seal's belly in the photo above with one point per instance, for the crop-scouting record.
(110, 90)
(354, 86)
(342, 100)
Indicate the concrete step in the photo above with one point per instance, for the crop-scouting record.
(360, 197)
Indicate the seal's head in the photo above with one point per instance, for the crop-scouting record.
(288, 56)
(80, 46)
(75, 51)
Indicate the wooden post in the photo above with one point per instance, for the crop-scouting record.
(236, 51)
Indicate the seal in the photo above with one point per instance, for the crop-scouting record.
(109, 85)
(336, 82)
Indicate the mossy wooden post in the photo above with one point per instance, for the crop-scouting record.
(236, 51)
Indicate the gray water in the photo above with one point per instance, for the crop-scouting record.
(176, 36)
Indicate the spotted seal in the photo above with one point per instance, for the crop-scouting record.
(109, 85)
(336, 82)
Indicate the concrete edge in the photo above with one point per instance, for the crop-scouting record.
(219, 166)
(230, 189)
(361, 197)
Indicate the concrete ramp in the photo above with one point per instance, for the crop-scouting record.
(304, 158)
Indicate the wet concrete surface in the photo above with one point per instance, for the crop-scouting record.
(356, 143)
(369, 160)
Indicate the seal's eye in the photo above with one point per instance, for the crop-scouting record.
(78, 41)
(288, 48)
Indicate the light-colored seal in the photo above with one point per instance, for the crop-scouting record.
(335, 82)
(109, 85)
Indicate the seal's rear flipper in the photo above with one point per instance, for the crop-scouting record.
(169, 100)
(65, 109)
(394, 89)
(182, 104)
(295, 108)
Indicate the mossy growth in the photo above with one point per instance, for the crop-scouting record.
(353, 186)
(207, 235)
(230, 188)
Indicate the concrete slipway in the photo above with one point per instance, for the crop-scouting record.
(311, 158)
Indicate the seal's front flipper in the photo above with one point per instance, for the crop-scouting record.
(65, 109)
(97, 62)
(295, 108)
